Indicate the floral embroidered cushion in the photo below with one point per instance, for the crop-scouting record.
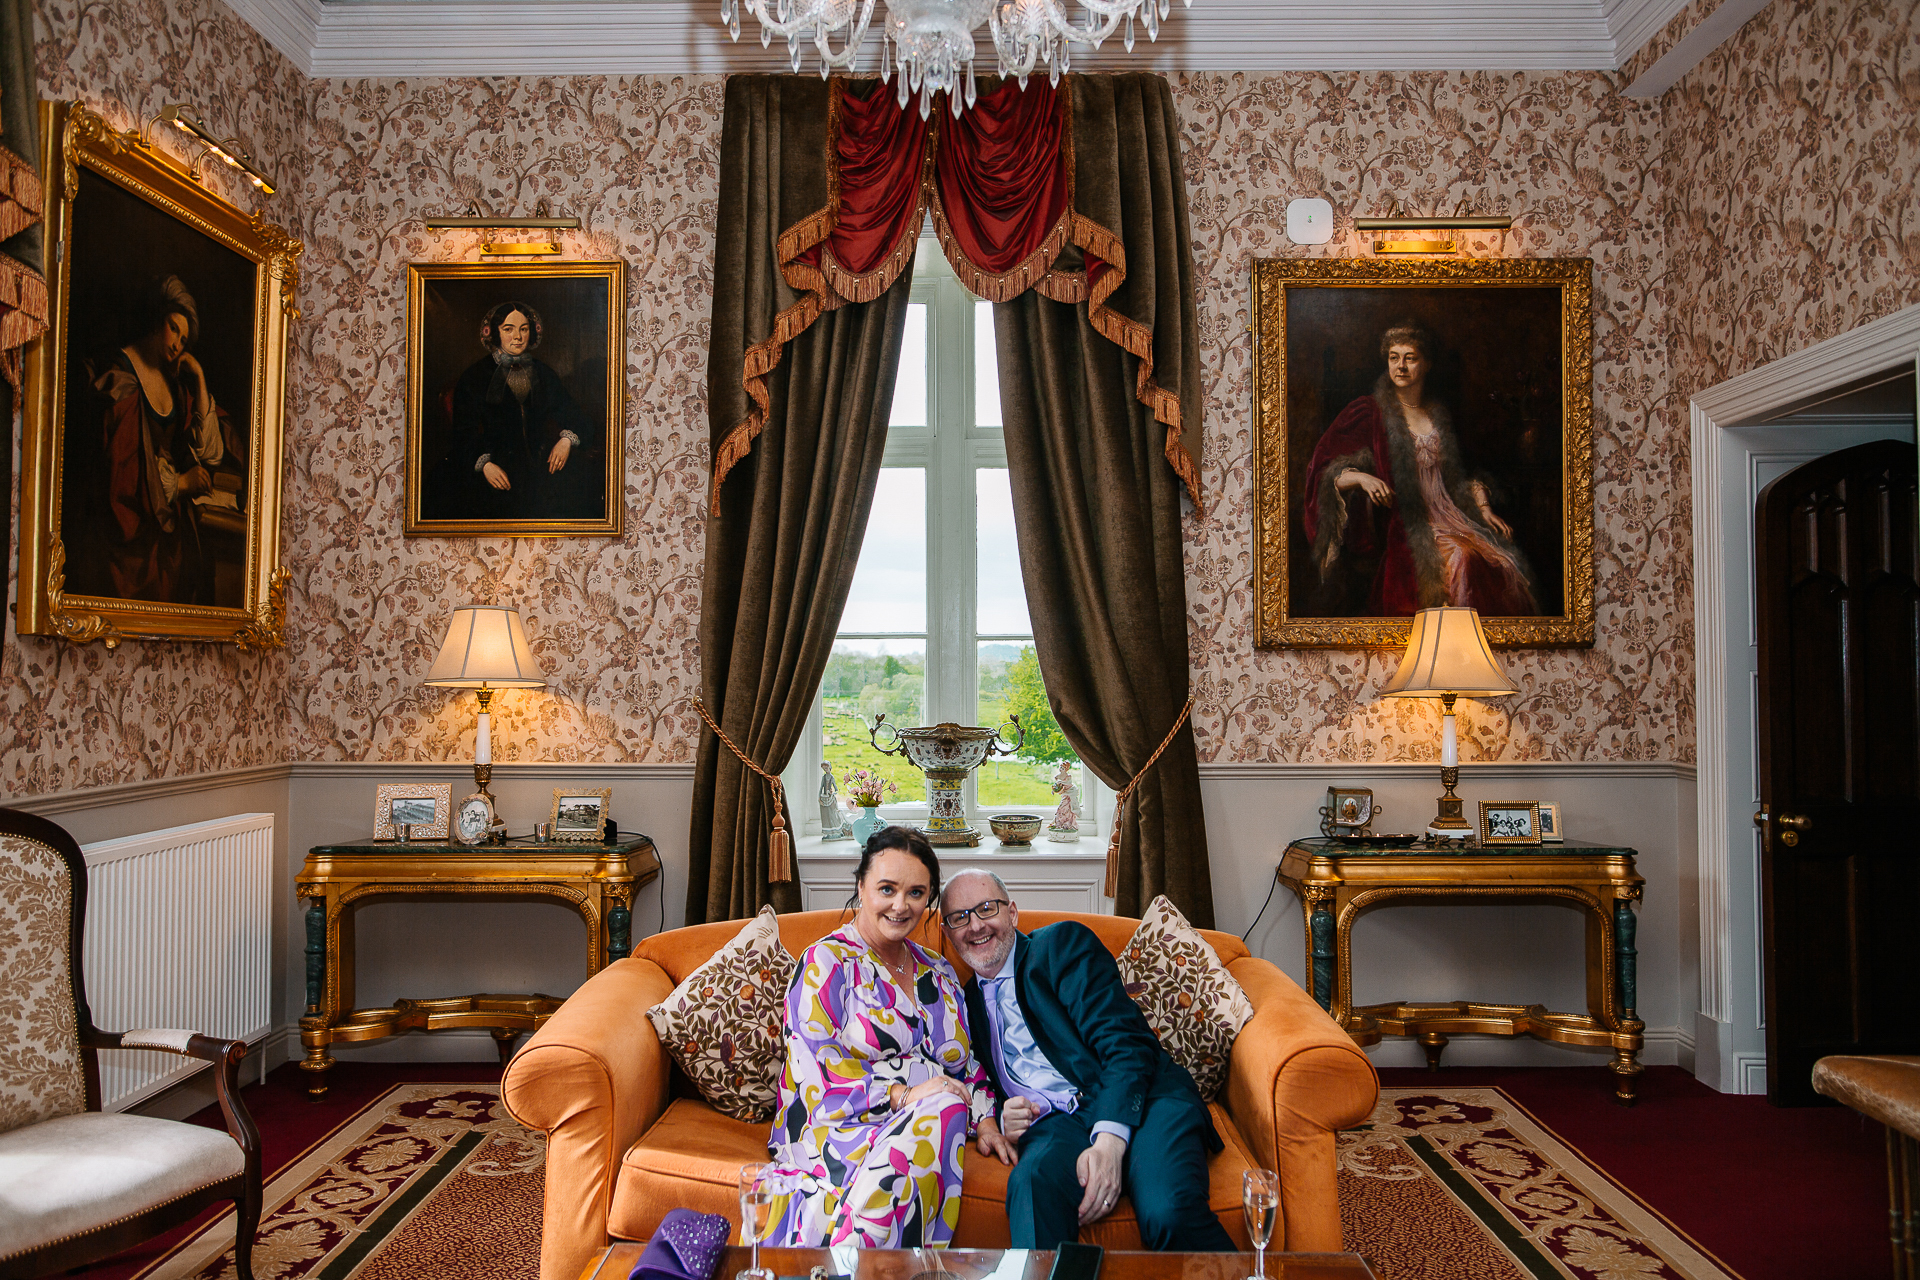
(1192, 1003)
(724, 1024)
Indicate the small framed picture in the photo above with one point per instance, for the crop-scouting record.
(1550, 822)
(427, 807)
(1511, 822)
(580, 813)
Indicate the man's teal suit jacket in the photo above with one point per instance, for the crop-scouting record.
(1092, 1032)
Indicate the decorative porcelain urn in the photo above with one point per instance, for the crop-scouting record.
(946, 753)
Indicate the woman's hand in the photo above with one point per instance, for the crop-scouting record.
(496, 477)
(558, 458)
(1378, 491)
(927, 1089)
(1015, 1117)
(990, 1140)
(1487, 517)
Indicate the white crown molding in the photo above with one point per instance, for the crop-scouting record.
(1634, 22)
(345, 38)
(1694, 48)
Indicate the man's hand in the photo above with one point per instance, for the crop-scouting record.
(558, 458)
(1016, 1117)
(496, 477)
(1099, 1172)
(990, 1140)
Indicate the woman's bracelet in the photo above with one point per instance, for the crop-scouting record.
(891, 1104)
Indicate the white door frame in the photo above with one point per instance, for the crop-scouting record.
(1729, 1039)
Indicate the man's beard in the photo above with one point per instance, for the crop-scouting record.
(993, 952)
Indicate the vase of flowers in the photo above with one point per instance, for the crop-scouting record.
(867, 788)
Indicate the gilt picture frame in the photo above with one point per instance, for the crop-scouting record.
(516, 404)
(1515, 822)
(1484, 495)
(139, 523)
(580, 813)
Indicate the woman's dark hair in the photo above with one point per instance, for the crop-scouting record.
(490, 326)
(163, 296)
(1408, 334)
(907, 840)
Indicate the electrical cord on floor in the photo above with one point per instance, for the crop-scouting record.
(1263, 907)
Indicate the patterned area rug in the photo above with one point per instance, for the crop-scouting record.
(429, 1180)
(435, 1180)
(1447, 1184)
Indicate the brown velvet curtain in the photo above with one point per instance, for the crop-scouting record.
(1097, 506)
(784, 532)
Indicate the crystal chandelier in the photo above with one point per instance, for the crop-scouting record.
(931, 41)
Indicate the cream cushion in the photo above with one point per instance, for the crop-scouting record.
(71, 1174)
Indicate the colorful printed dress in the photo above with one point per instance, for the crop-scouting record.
(865, 1174)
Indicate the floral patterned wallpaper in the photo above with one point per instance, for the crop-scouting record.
(73, 716)
(1705, 195)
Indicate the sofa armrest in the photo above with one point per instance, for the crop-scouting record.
(1294, 1079)
(593, 1079)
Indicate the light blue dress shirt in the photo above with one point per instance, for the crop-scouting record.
(1023, 1068)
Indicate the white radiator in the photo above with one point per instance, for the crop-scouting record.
(178, 935)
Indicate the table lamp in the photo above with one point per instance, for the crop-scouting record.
(485, 649)
(1448, 657)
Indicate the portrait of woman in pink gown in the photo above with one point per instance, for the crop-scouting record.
(1396, 518)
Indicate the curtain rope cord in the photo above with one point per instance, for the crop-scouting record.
(779, 844)
(1120, 801)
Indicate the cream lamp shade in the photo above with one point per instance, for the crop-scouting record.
(486, 647)
(1448, 653)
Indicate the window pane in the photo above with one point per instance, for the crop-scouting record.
(986, 369)
(890, 583)
(864, 677)
(1000, 595)
(1010, 685)
(910, 389)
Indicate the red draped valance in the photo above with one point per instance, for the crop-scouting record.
(1000, 183)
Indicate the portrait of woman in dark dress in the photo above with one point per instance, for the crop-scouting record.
(518, 435)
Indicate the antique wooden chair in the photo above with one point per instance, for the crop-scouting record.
(76, 1183)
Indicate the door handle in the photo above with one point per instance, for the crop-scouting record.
(1793, 824)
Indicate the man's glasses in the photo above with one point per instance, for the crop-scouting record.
(985, 911)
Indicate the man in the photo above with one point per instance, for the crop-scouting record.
(1095, 1104)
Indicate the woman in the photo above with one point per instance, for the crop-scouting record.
(1389, 503)
(881, 1086)
(519, 429)
(163, 434)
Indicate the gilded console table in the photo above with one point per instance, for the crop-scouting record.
(597, 880)
(1338, 881)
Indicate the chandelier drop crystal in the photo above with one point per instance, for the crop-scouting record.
(930, 43)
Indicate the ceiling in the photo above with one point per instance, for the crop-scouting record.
(335, 38)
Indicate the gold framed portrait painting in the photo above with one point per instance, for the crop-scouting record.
(1423, 436)
(153, 408)
(515, 403)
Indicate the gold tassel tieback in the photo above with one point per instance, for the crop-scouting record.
(779, 843)
(1120, 801)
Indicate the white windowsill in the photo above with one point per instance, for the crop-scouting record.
(1086, 849)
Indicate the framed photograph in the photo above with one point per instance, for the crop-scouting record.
(580, 813)
(516, 404)
(1512, 822)
(153, 406)
(427, 806)
(1550, 822)
(1423, 435)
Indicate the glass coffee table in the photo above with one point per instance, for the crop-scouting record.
(617, 1262)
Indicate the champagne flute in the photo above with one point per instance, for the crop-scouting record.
(1260, 1200)
(757, 1194)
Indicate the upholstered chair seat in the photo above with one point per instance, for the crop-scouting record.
(76, 1183)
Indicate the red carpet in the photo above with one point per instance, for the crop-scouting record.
(1777, 1193)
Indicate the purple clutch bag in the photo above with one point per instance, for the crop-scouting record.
(686, 1247)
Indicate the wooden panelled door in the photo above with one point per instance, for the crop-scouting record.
(1839, 619)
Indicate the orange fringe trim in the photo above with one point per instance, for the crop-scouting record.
(831, 286)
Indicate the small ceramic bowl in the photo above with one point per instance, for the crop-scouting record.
(1015, 830)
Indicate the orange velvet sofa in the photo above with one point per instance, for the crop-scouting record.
(629, 1139)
